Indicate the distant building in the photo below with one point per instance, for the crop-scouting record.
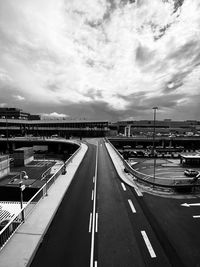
(17, 114)
(34, 117)
(163, 127)
(52, 128)
(13, 113)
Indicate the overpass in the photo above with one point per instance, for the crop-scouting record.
(103, 221)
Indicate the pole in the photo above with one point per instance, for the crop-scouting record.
(21, 201)
(7, 148)
(154, 132)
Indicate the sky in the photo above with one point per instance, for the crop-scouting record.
(101, 59)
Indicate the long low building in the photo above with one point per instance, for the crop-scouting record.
(63, 128)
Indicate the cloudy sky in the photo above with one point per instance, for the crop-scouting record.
(101, 59)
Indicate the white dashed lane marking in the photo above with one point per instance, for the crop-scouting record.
(131, 206)
(123, 186)
(90, 223)
(148, 244)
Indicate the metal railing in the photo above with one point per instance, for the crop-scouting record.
(11, 225)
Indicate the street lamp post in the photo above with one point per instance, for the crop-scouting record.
(154, 132)
(7, 147)
(24, 175)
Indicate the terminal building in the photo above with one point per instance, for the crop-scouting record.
(146, 127)
(49, 128)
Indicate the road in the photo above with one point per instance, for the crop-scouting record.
(103, 222)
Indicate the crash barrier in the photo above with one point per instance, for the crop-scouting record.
(178, 184)
(11, 226)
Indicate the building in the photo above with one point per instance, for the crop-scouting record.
(17, 114)
(49, 128)
(146, 127)
(13, 113)
(34, 117)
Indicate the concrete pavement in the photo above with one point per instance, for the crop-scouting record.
(21, 248)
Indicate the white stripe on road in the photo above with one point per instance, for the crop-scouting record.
(92, 197)
(96, 229)
(131, 205)
(94, 212)
(95, 264)
(196, 216)
(138, 192)
(123, 186)
(90, 222)
(93, 179)
(148, 244)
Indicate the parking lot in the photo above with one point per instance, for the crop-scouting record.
(165, 169)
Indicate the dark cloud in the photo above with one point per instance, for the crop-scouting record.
(175, 82)
(94, 94)
(164, 101)
(144, 55)
(186, 51)
(134, 97)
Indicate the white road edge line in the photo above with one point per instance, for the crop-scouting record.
(148, 244)
(92, 197)
(131, 206)
(123, 186)
(90, 222)
(94, 211)
(96, 229)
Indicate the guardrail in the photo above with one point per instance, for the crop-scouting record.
(177, 184)
(11, 226)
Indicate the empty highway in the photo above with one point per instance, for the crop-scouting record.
(103, 222)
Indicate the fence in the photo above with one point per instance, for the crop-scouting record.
(11, 226)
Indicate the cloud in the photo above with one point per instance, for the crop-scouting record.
(19, 97)
(102, 54)
(54, 115)
(3, 105)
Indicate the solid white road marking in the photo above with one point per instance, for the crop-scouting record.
(131, 205)
(123, 186)
(196, 216)
(92, 197)
(190, 204)
(96, 229)
(148, 244)
(90, 222)
(94, 211)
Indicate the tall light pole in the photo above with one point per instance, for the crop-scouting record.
(24, 175)
(154, 133)
(7, 147)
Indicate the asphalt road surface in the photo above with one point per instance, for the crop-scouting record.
(103, 222)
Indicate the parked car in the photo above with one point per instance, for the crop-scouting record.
(191, 173)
